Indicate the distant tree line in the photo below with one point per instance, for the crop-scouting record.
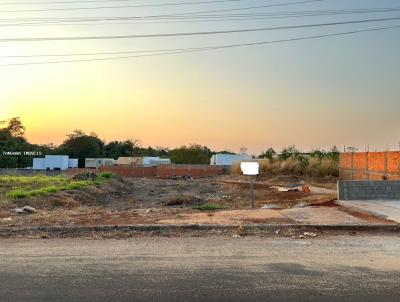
(81, 145)
(292, 152)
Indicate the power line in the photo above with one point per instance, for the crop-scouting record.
(144, 5)
(192, 33)
(63, 2)
(186, 14)
(188, 50)
(124, 6)
(203, 18)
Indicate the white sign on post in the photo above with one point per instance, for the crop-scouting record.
(250, 168)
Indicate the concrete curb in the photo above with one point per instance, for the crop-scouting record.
(76, 231)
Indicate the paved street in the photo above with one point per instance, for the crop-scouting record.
(216, 268)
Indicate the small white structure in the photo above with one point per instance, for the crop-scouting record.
(147, 159)
(228, 159)
(127, 160)
(54, 162)
(155, 161)
(39, 164)
(96, 163)
(73, 163)
(159, 161)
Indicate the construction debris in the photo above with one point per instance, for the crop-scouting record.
(305, 235)
(292, 188)
(25, 210)
(310, 234)
(270, 206)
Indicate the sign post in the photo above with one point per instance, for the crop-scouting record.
(251, 169)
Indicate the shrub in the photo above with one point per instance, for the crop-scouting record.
(322, 167)
(289, 152)
(180, 200)
(106, 175)
(207, 207)
(300, 166)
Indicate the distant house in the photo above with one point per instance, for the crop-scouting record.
(155, 161)
(54, 162)
(228, 159)
(96, 163)
(73, 163)
(143, 161)
(128, 161)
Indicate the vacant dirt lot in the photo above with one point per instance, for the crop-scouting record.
(148, 200)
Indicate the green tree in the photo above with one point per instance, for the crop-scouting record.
(334, 154)
(268, 154)
(117, 149)
(80, 145)
(289, 152)
(320, 154)
(193, 154)
(12, 140)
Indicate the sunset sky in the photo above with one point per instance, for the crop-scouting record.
(342, 90)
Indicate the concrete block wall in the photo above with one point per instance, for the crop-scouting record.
(368, 190)
(370, 165)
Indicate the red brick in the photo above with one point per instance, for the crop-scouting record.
(360, 160)
(376, 161)
(393, 162)
(345, 160)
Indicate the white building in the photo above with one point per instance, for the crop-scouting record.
(228, 159)
(155, 161)
(54, 162)
(96, 163)
(73, 163)
(39, 164)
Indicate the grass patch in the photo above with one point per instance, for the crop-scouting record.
(44, 191)
(21, 193)
(32, 180)
(76, 185)
(42, 185)
(207, 207)
(18, 194)
(106, 175)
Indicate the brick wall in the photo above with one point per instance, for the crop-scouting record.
(368, 190)
(370, 165)
(166, 171)
(195, 171)
(162, 171)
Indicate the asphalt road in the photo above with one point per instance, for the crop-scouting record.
(334, 268)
